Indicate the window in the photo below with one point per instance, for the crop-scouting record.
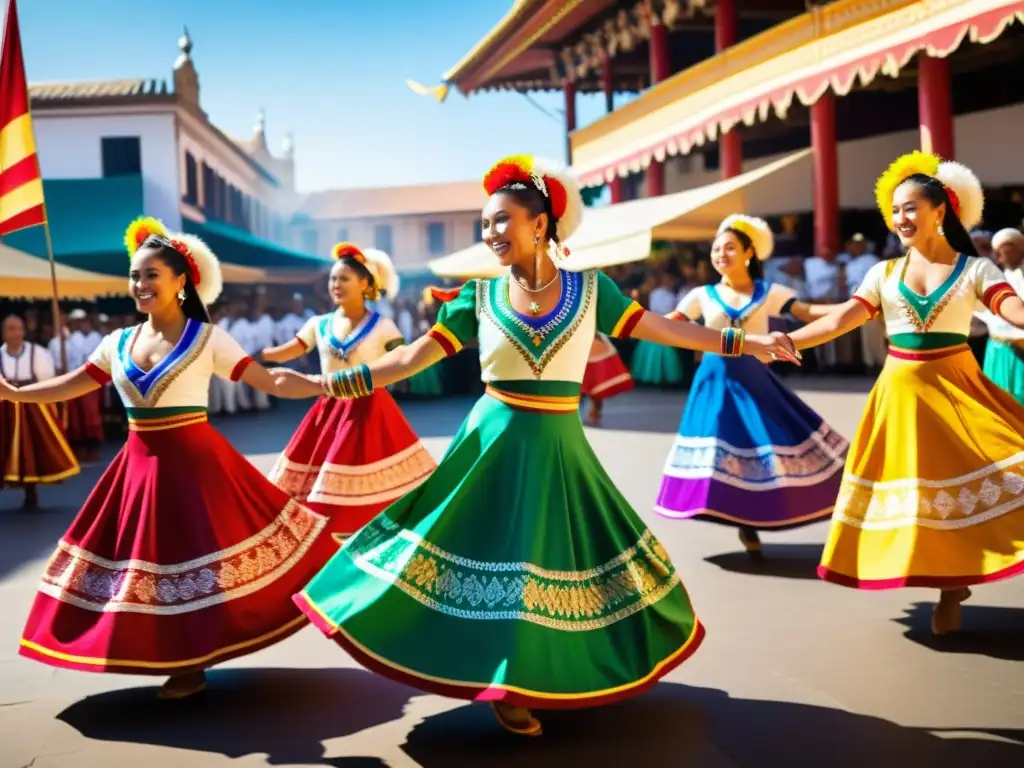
(435, 238)
(208, 192)
(121, 155)
(310, 241)
(342, 235)
(382, 238)
(191, 179)
(478, 232)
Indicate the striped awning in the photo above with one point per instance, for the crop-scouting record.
(830, 47)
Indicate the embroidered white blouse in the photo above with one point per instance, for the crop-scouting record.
(341, 346)
(181, 379)
(947, 310)
(553, 347)
(722, 307)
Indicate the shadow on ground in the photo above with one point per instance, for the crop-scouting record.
(990, 631)
(287, 714)
(783, 561)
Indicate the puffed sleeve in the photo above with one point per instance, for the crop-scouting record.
(42, 364)
(869, 292)
(99, 364)
(307, 333)
(688, 307)
(389, 335)
(457, 322)
(229, 359)
(617, 314)
(991, 285)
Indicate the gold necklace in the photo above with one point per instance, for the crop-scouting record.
(534, 307)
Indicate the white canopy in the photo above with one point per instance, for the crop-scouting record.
(622, 233)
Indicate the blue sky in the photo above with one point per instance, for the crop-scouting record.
(330, 71)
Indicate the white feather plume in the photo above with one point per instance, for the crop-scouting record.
(211, 282)
(756, 229)
(965, 184)
(384, 275)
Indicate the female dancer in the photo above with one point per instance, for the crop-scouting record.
(932, 495)
(351, 458)
(606, 376)
(33, 448)
(749, 452)
(1004, 351)
(520, 572)
(184, 555)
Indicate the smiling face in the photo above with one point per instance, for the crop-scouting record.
(510, 229)
(152, 282)
(915, 218)
(345, 283)
(729, 257)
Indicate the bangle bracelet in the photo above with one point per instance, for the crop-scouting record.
(732, 342)
(350, 383)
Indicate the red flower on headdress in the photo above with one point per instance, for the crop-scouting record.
(186, 252)
(348, 251)
(954, 200)
(519, 168)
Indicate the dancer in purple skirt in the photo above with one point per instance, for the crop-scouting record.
(749, 452)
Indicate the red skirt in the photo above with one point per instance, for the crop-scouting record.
(32, 445)
(85, 417)
(349, 459)
(606, 375)
(183, 556)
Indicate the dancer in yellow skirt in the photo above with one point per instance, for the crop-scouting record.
(933, 493)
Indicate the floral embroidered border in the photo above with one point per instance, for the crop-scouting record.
(770, 466)
(573, 601)
(945, 505)
(88, 581)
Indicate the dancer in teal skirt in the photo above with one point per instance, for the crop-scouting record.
(517, 574)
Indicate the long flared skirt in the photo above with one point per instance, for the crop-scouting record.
(933, 493)
(1004, 365)
(183, 556)
(517, 572)
(749, 452)
(85, 418)
(606, 374)
(657, 364)
(33, 449)
(349, 459)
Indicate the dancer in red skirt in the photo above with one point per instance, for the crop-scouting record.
(605, 376)
(33, 449)
(184, 555)
(349, 459)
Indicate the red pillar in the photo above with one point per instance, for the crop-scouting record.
(569, 88)
(935, 107)
(826, 173)
(660, 69)
(730, 145)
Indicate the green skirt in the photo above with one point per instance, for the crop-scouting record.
(1004, 364)
(426, 383)
(517, 572)
(656, 364)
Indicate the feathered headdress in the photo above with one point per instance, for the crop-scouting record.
(965, 193)
(203, 266)
(554, 182)
(374, 261)
(760, 234)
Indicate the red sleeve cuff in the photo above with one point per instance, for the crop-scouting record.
(677, 315)
(996, 295)
(240, 367)
(96, 373)
(867, 305)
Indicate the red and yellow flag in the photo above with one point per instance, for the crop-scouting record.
(21, 184)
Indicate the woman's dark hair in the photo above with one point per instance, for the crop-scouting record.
(934, 191)
(535, 201)
(193, 306)
(755, 269)
(361, 270)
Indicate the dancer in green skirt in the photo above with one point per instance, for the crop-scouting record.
(517, 574)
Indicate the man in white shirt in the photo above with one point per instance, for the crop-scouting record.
(858, 260)
(826, 284)
(662, 300)
(288, 327)
(262, 329)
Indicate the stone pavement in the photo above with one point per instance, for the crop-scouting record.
(794, 672)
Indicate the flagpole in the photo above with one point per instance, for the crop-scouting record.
(54, 301)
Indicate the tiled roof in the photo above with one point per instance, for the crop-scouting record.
(450, 197)
(100, 89)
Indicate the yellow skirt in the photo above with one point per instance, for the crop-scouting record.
(933, 492)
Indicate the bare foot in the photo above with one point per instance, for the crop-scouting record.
(750, 540)
(183, 686)
(947, 614)
(517, 720)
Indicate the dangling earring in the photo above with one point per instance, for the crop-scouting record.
(181, 296)
(941, 231)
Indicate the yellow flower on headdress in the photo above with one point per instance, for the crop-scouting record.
(901, 169)
(139, 230)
